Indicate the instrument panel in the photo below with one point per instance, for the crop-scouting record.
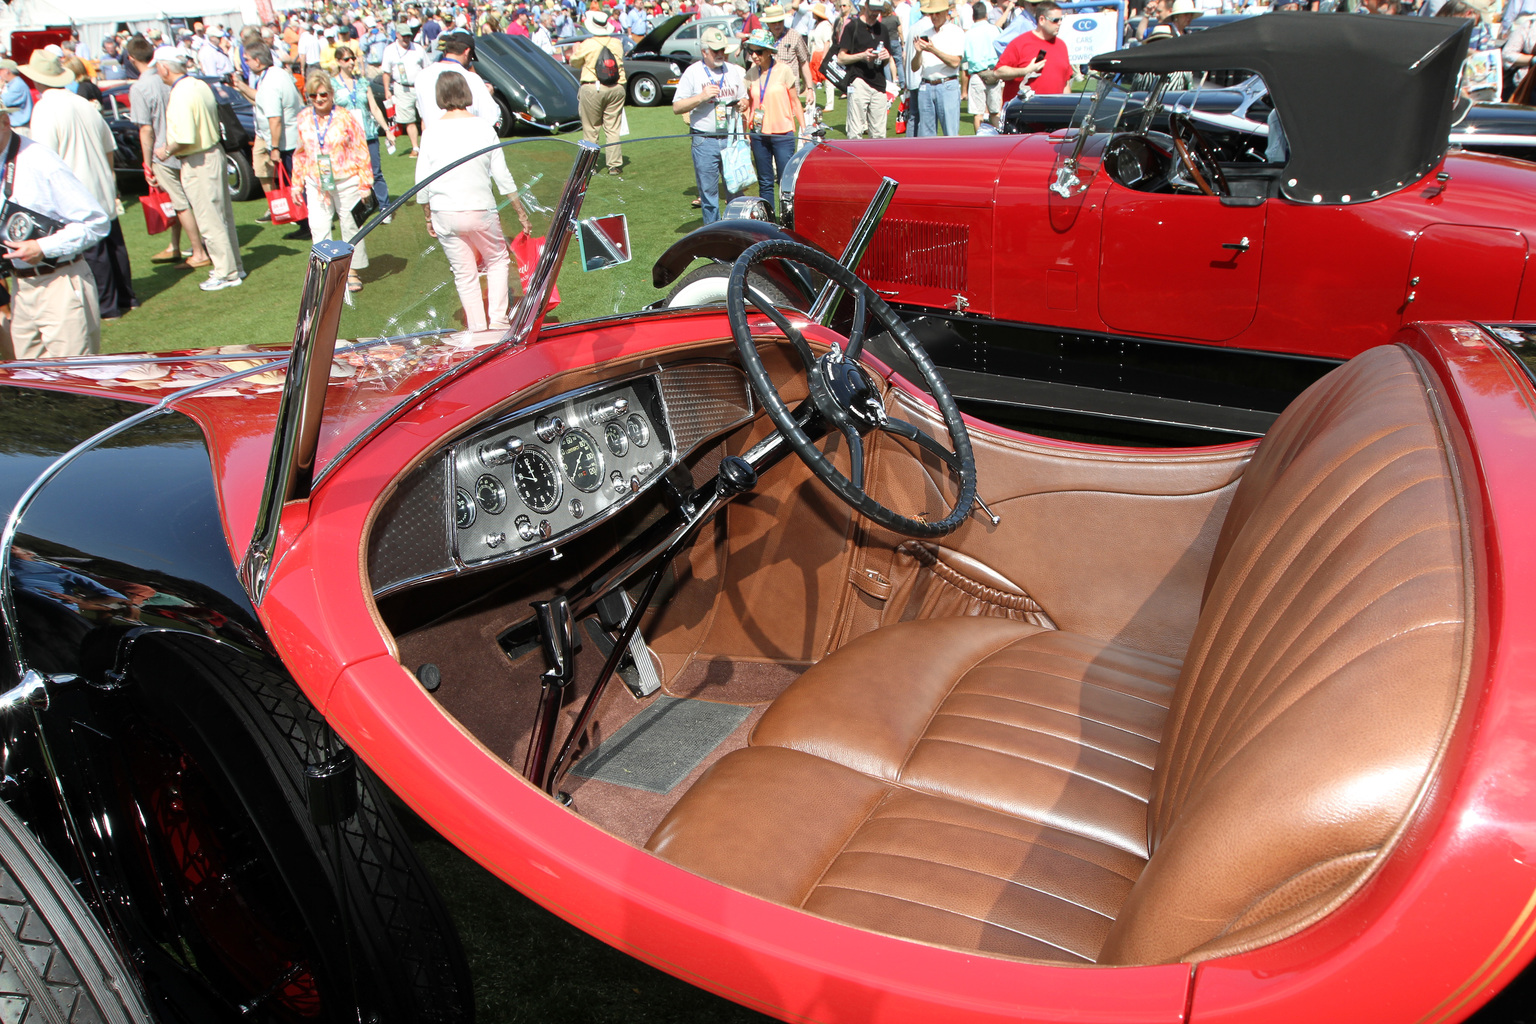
(531, 480)
(522, 483)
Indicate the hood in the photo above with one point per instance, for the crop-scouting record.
(523, 74)
(652, 40)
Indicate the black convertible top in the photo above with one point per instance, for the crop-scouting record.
(1365, 100)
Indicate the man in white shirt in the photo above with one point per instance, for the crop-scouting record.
(211, 58)
(277, 103)
(54, 309)
(74, 129)
(309, 48)
(458, 51)
(403, 62)
(937, 46)
(544, 35)
(706, 92)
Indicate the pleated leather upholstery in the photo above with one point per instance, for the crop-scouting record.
(1324, 673)
(984, 783)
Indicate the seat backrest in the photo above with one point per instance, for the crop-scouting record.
(1324, 675)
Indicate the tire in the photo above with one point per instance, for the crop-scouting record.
(504, 128)
(644, 91)
(52, 950)
(239, 177)
(407, 964)
(704, 286)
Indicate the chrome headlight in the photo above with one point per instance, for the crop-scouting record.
(676, 71)
(787, 185)
(535, 107)
(747, 208)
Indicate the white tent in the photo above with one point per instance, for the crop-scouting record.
(98, 18)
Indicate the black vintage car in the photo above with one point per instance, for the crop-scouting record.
(535, 92)
(237, 126)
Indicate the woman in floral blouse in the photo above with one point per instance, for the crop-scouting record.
(332, 162)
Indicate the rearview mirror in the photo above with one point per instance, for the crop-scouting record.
(604, 242)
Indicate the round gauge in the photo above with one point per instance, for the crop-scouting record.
(533, 472)
(463, 509)
(490, 494)
(580, 458)
(639, 431)
(617, 438)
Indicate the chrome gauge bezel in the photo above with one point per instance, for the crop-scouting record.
(499, 490)
(634, 419)
(623, 438)
(534, 452)
(573, 436)
(469, 503)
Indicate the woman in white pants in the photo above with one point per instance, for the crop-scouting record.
(460, 210)
(331, 160)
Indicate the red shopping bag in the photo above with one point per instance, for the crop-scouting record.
(159, 211)
(285, 201)
(526, 251)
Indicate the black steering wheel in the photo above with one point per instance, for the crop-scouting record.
(1196, 155)
(843, 398)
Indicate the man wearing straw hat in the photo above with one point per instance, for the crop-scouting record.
(937, 46)
(53, 305)
(73, 128)
(601, 104)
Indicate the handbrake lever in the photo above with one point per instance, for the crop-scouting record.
(557, 635)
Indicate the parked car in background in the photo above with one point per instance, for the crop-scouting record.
(237, 127)
(536, 93)
(683, 41)
(652, 77)
(1155, 275)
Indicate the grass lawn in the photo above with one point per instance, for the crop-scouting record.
(175, 314)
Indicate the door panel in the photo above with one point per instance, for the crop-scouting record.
(1464, 273)
(1164, 271)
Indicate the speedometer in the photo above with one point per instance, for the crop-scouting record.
(580, 459)
(538, 484)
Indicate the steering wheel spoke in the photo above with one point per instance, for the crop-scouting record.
(924, 440)
(843, 397)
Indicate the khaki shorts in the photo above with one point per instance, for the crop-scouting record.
(405, 104)
(170, 183)
(263, 162)
(985, 98)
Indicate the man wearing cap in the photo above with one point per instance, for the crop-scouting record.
(146, 105)
(865, 49)
(192, 135)
(16, 97)
(1022, 62)
(403, 62)
(211, 59)
(458, 52)
(600, 105)
(373, 41)
(937, 46)
(794, 52)
(706, 94)
(74, 129)
(54, 309)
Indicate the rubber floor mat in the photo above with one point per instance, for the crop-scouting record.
(656, 749)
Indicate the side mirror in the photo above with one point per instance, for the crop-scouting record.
(604, 242)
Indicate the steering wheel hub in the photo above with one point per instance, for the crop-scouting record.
(844, 394)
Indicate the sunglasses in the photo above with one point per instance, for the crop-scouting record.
(317, 95)
(1052, 21)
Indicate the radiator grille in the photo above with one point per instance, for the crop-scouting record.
(703, 399)
(925, 254)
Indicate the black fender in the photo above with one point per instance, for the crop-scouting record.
(182, 731)
(723, 241)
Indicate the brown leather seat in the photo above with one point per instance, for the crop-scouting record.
(992, 785)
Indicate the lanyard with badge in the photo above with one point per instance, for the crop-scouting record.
(720, 110)
(762, 97)
(322, 158)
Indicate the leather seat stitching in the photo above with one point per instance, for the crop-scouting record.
(1020, 757)
(1074, 740)
(967, 917)
(1033, 669)
(918, 738)
(1037, 841)
(853, 831)
(1066, 714)
(965, 870)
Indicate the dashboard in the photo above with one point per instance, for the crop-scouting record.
(537, 477)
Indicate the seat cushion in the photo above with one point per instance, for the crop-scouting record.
(1047, 726)
(978, 783)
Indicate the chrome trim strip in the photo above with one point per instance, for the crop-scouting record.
(853, 253)
(562, 224)
(291, 469)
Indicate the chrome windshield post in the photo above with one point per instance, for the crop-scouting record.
(291, 469)
(1067, 182)
(562, 224)
(853, 253)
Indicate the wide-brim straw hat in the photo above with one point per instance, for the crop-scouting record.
(935, 6)
(772, 13)
(46, 68)
(598, 23)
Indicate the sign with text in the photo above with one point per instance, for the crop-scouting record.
(1090, 34)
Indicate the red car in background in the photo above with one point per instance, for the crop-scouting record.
(1120, 271)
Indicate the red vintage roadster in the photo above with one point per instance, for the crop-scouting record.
(1148, 268)
(747, 653)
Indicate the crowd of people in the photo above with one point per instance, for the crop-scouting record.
(768, 74)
